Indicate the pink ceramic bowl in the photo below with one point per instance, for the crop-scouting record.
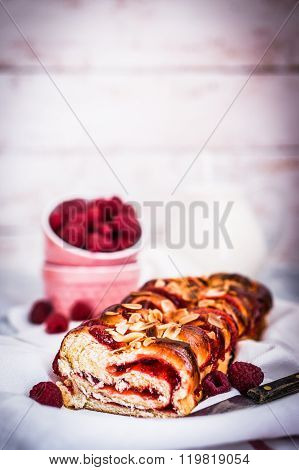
(72, 274)
(57, 251)
(99, 286)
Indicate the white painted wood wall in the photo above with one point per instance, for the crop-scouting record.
(149, 80)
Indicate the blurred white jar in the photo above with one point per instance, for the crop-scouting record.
(237, 245)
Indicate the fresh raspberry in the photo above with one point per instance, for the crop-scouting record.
(73, 211)
(94, 242)
(40, 310)
(97, 242)
(118, 222)
(55, 219)
(106, 230)
(74, 234)
(47, 393)
(72, 206)
(124, 242)
(80, 311)
(95, 227)
(244, 376)
(126, 229)
(130, 220)
(214, 383)
(56, 323)
(110, 209)
(118, 203)
(79, 218)
(129, 210)
(129, 235)
(107, 244)
(94, 214)
(100, 201)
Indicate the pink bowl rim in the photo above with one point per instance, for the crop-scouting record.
(101, 256)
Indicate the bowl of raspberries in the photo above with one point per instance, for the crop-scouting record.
(91, 232)
(91, 251)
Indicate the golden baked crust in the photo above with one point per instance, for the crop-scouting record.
(148, 355)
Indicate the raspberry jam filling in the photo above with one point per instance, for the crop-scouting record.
(102, 336)
(55, 365)
(144, 392)
(236, 308)
(153, 367)
(147, 304)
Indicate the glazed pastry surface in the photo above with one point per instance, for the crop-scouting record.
(148, 355)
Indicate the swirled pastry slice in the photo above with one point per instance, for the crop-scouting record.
(127, 373)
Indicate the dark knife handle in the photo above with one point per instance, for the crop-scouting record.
(277, 389)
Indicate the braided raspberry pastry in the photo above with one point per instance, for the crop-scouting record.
(148, 355)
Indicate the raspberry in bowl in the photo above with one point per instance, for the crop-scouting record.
(91, 249)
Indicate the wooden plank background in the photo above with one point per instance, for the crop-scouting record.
(149, 80)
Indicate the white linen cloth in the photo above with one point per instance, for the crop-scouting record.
(25, 359)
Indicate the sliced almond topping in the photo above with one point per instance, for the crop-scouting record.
(174, 287)
(159, 333)
(172, 332)
(155, 315)
(181, 313)
(148, 341)
(155, 310)
(125, 338)
(167, 306)
(144, 314)
(226, 285)
(214, 292)
(135, 317)
(211, 334)
(110, 313)
(152, 317)
(136, 344)
(140, 326)
(115, 351)
(122, 327)
(160, 283)
(206, 303)
(216, 321)
(132, 306)
(188, 318)
(164, 326)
